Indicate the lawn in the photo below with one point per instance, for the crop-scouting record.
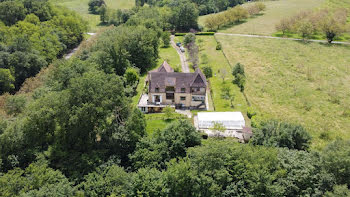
(275, 11)
(306, 83)
(216, 60)
(157, 121)
(81, 7)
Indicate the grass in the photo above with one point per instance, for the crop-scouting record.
(81, 7)
(217, 60)
(306, 83)
(157, 121)
(275, 11)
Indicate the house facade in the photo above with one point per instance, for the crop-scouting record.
(179, 90)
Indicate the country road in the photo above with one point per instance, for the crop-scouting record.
(271, 37)
(182, 55)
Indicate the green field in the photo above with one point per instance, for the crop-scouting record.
(275, 11)
(307, 83)
(81, 7)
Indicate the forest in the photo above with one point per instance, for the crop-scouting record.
(32, 35)
(78, 134)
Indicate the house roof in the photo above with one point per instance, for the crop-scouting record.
(165, 67)
(161, 78)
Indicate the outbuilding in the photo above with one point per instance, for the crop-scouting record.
(230, 120)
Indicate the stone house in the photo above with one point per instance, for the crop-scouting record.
(179, 90)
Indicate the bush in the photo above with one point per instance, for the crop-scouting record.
(189, 38)
(204, 135)
(218, 46)
(166, 39)
(198, 34)
(250, 112)
(208, 72)
(15, 104)
(281, 134)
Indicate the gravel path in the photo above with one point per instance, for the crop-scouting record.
(182, 55)
(271, 37)
(71, 53)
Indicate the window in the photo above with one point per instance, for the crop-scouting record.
(183, 90)
(170, 89)
(157, 89)
(182, 98)
(169, 96)
(198, 98)
(143, 109)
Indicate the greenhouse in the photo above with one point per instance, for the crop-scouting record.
(230, 120)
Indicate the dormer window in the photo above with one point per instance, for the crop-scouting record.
(157, 90)
(183, 90)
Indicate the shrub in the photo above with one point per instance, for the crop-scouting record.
(250, 112)
(218, 46)
(189, 38)
(169, 112)
(166, 39)
(281, 134)
(208, 72)
(15, 104)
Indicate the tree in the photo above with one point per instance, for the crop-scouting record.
(184, 16)
(284, 26)
(189, 39)
(227, 94)
(131, 76)
(6, 81)
(171, 142)
(94, 5)
(208, 71)
(35, 180)
(15, 104)
(338, 191)
(305, 28)
(223, 74)
(166, 39)
(211, 23)
(11, 12)
(333, 24)
(238, 69)
(238, 13)
(168, 112)
(336, 160)
(281, 134)
(149, 182)
(107, 180)
(103, 13)
(239, 76)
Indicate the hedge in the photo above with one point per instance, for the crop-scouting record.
(198, 34)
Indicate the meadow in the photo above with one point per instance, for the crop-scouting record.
(265, 23)
(81, 7)
(305, 83)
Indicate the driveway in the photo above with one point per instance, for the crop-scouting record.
(184, 63)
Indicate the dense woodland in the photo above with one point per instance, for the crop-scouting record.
(79, 135)
(32, 35)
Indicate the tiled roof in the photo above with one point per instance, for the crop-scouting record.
(160, 79)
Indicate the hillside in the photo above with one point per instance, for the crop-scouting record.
(302, 82)
(81, 7)
(264, 24)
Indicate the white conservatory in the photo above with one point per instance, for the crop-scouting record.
(230, 120)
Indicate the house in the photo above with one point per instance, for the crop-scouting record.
(169, 88)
